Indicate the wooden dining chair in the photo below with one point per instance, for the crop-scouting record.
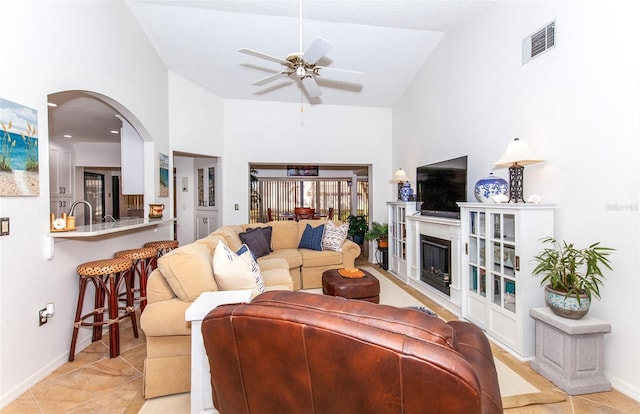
(269, 214)
(330, 214)
(302, 213)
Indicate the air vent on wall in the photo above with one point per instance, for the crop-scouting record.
(539, 42)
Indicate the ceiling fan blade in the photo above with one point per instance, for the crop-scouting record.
(262, 56)
(316, 50)
(311, 86)
(339, 74)
(271, 78)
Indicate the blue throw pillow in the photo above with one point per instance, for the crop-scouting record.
(312, 237)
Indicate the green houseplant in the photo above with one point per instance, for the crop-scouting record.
(379, 232)
(358, 226)
(572, 276)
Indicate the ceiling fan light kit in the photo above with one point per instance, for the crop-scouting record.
(301, 64)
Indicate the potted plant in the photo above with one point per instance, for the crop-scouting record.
(358, 226)
(379, 232)
(572, 276)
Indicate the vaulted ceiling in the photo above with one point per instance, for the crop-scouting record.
(386, 40)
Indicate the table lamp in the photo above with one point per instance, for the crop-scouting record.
(516, 157)
(399, 177)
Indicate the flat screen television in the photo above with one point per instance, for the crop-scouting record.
(439, 186)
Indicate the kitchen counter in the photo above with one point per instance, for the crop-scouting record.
(102, 229)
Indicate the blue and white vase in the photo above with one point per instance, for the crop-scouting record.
(488, 187)
(406, 192)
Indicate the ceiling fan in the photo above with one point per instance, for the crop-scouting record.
(301, 66)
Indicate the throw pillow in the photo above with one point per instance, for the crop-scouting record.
(334, 236)
(312, 237)
(266, 232)
(233, 272)
(257, 243)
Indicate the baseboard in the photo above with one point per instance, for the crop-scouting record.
(24, 386)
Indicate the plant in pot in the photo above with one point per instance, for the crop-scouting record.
(379, 232)
(358, 226)
(571, 276)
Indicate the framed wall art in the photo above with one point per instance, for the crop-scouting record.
(302, 170)
(164, 175)
(19, 164)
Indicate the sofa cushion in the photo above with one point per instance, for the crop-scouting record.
(312, 238)
(188, 271)
(230, 234)
(284, 235)
(233, 272)
(313, 258)
(334, 236)
(292, 256)
(257, 242)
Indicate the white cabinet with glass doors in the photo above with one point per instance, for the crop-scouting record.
(398, 211)
(206, 199)
(500, 241)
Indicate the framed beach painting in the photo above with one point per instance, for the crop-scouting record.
(164, 175)
(19, 163)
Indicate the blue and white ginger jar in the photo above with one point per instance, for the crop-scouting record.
(406, 192)
(488, 187)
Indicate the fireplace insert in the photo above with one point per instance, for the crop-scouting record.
(435, 263)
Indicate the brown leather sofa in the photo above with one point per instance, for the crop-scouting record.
(296, 352)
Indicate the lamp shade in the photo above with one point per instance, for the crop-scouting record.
(517, 152)
(400, 176)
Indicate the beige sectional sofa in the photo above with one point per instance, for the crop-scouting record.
(184, 273)
(305, 265)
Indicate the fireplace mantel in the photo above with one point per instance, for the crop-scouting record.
(441, 228)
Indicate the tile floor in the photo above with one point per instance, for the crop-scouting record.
(94, 383)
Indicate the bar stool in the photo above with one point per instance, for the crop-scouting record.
(107, 277)
(140, 267)
(162, 247)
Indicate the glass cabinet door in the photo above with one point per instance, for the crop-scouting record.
(477, 245)
(504, 261)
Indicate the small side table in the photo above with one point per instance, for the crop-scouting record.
(570, 353)
(201, 400)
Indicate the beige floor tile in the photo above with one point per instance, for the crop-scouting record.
(97, 384)
(24, 404)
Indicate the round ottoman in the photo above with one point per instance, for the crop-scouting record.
(362, 288)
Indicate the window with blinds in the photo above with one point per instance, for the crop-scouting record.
(283, 195)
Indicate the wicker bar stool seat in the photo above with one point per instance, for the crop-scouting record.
(140, 267)
(162, 247)
(108, 277)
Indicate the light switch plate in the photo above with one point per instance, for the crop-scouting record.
(4, 226)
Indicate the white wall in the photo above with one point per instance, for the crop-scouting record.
(185, 200)
(577, 106)
(280, 133)
(57, 46)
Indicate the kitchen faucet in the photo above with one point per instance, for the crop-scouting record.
(73, 207)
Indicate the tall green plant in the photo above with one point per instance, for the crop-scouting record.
(572, 270)
(377, 231)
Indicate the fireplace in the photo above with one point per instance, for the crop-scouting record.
(435, 263)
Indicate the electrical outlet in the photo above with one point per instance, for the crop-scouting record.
(42, 316)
